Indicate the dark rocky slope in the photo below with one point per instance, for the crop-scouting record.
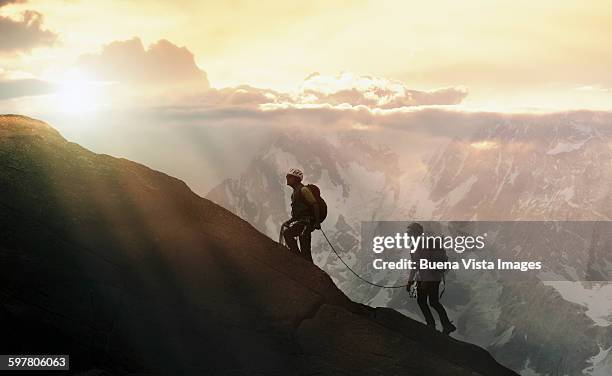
(128, 271)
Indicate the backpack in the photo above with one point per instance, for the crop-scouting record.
(316, 192)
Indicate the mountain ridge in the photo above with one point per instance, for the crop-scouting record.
(129, 271)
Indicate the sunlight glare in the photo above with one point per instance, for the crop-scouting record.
(78, 93)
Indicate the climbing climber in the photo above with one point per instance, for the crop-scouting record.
(428, 282)
(307, 211)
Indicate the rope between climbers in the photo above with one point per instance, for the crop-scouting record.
(355, 273)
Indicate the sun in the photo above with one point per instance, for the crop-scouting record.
(78, 93)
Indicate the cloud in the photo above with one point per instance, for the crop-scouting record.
(445, 96)
(324, 103)
(374, 92)
(321, 96)
(251, 106)
(163, 64)
(22, 35)
(7, 2)
(25, 88)
(244, 96)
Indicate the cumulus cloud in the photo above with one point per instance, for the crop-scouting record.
(376, 92)
(325, 97)
(25, 33)
(163, 64)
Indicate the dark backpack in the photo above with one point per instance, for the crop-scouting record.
(316, 192)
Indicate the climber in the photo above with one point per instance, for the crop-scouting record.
(305, 214)
(428, 282)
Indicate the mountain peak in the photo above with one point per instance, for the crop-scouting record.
(19, 125)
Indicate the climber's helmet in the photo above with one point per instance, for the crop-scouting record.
(296, 172)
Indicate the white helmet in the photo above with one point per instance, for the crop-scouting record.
(296, 172)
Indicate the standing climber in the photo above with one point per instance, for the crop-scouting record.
(428, 281)
(305, 215)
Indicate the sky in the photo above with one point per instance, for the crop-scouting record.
(102, 71)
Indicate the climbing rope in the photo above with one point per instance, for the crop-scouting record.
(412, 292)
(355, 273)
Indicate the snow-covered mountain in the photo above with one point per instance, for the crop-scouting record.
(523, 170)
(559, 169)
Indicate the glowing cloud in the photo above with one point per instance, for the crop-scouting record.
(372, 91)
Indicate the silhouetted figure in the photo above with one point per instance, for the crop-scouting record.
(428, 282)
(304, 215)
